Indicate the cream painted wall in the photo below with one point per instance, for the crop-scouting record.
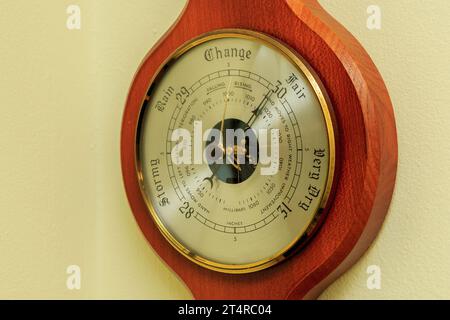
(61, 100)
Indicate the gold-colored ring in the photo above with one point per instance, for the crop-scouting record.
(325, 104)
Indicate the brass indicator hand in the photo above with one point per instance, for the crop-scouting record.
(221, 146)
(227, 99)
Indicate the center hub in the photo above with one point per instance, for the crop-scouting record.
(240, 149)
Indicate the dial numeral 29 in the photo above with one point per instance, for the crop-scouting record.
(182, 95)
(186, 210)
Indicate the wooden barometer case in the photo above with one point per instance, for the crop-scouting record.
(258, 148)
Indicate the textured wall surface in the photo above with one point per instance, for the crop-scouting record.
(62, 201)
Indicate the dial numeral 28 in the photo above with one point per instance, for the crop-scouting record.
(186, 210)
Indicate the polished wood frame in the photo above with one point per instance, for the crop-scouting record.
(366, 157)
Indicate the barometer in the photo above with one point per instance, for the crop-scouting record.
(258, 149)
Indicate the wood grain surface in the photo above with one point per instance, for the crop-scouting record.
(366, 149)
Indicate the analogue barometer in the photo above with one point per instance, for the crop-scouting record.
(258, 148)
(222, 213)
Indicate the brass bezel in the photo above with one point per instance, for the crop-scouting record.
(325, 103)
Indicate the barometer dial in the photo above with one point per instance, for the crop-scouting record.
(236, 203)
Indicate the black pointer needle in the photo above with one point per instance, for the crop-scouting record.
(210, 179)
(257, 111)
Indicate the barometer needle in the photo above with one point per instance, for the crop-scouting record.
(227, 98)
(222, 124)
(210, 179)
(257, 111)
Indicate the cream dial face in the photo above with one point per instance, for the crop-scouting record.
(236, 217)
